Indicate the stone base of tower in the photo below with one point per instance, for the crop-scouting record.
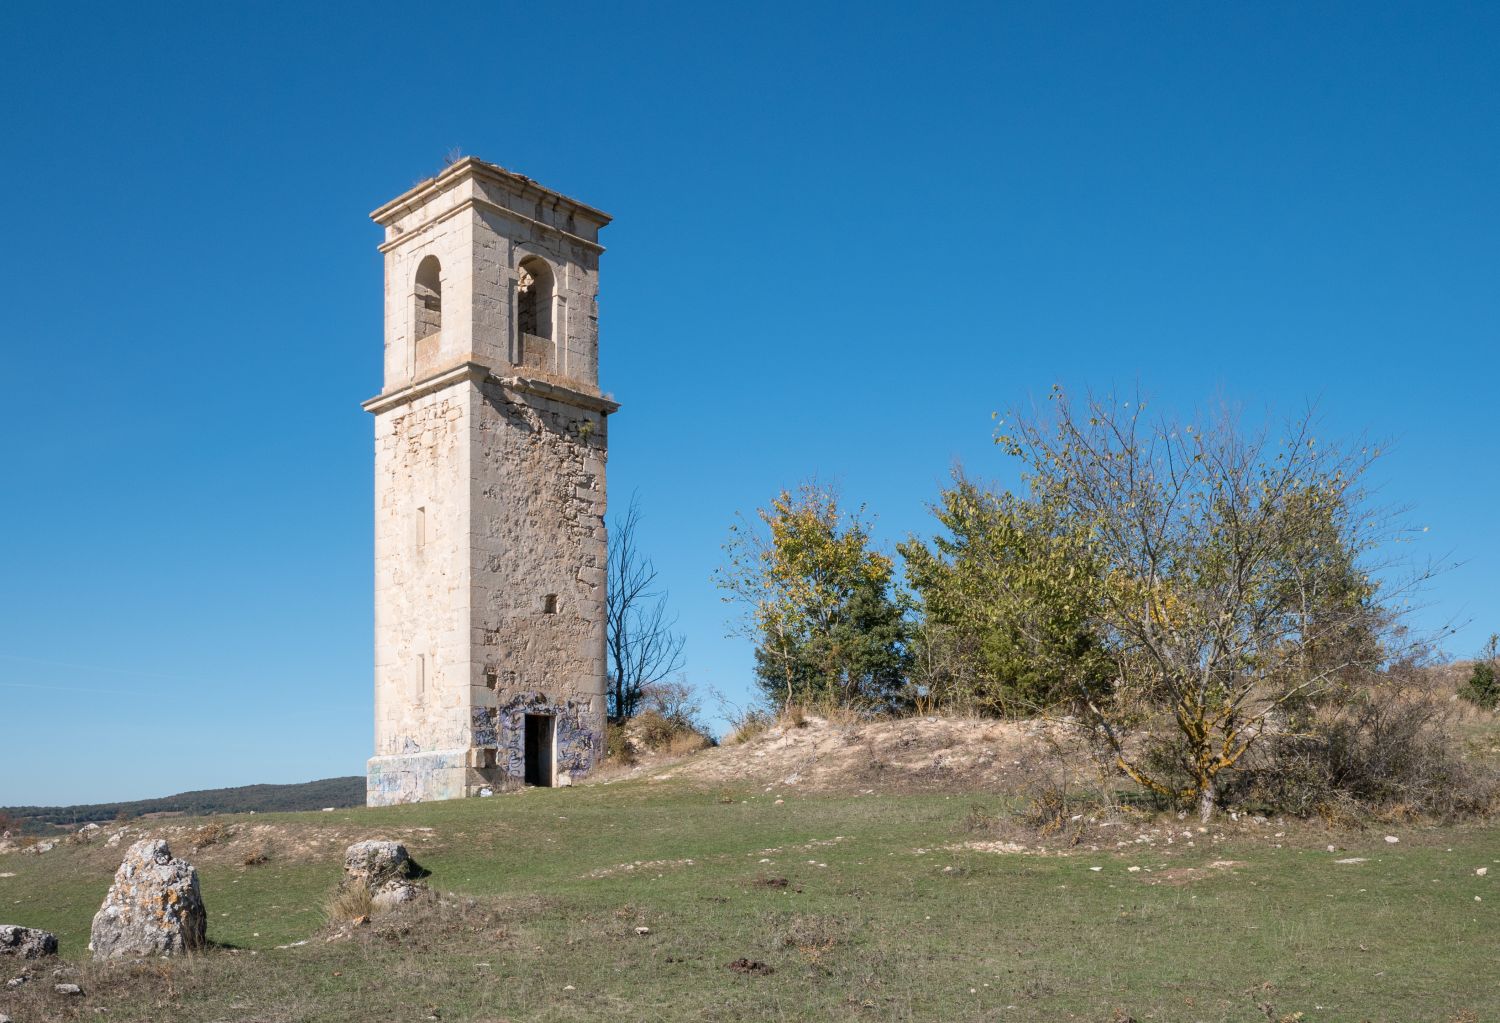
(417, 777)
(571, 746)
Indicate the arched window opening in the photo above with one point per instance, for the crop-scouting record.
(426, 314)
(427, 301)
(534, 313)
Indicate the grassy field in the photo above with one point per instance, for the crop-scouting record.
(863, 908)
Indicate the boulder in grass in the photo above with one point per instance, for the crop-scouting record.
(154, 907)
(26, 942)
(386, 869)
(375, 862)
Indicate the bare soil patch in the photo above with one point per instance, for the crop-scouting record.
(927, 754)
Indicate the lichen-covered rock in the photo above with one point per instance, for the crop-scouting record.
(376, 862)
(395, 893)
(385, 869)
(26, 942)
(153, 908)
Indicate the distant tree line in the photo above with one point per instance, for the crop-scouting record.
(312, 795)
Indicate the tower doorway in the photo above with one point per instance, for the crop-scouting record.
(539, 729)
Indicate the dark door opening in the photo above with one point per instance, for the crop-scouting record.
(538, 749)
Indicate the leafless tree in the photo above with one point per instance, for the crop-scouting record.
(1239, 572)
(641, 636)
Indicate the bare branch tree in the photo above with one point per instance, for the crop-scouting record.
(1239, 572)
(644, 646)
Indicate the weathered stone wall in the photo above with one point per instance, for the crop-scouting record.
(423, 453)
(538, 531)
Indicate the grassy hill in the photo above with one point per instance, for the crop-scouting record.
(881, 903)
(311, 795)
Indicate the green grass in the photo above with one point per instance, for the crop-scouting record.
(879, 933)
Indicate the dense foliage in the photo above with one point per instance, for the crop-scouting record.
(819, 603)
(1008, 600)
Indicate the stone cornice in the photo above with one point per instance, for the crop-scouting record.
(516, 184)
(480, 201)
(446, 378)
(557, 392)
(473, 371)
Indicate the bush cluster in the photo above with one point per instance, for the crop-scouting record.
(1385, 750)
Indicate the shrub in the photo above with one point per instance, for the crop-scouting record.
(1483, 686)
(748, 725)
(672, 735)
(1384, 750)
(656, 729)
(669, 721)
(210, 834)
(1050, 806)
(980, 821)
(617, 748)
(1483, 689)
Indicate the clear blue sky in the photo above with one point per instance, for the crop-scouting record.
(842, 240)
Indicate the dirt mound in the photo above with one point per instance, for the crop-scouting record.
(888, 755)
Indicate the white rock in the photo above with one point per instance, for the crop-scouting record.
(1391, 839)
(153, 908)
(384, 868)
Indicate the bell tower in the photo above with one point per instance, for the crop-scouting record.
(490, 441)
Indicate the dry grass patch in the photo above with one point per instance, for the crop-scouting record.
(813, 935)
(350, 902)
(208, 835)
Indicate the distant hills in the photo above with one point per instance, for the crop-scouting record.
(309, 795)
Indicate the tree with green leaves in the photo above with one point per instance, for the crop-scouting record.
(1008, 599)
(817, 601)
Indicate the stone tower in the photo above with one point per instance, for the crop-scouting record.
(490, 436)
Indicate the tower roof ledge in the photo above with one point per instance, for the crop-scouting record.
(479, 373)
(471, 166)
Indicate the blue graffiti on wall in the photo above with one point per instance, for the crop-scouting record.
(577, 746)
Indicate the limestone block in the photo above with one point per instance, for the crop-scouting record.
(153, 908)
(385, 868)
